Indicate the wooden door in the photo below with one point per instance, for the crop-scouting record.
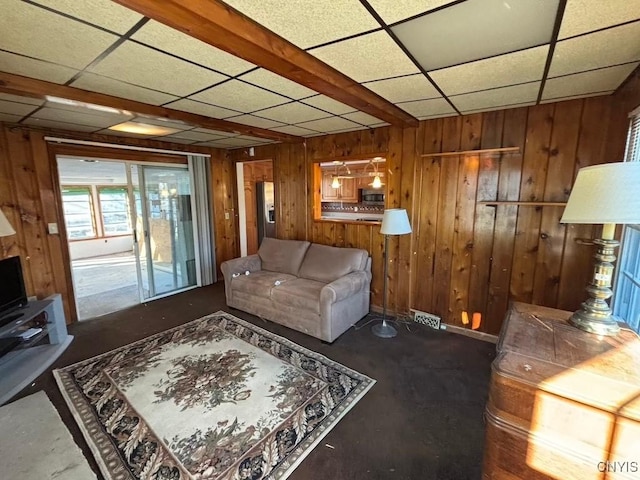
(251, 219)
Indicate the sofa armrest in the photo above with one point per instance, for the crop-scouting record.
(344, 287)
(251, 263)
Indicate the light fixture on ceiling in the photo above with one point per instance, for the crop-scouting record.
(377, 182)
(90, 106)
(335, 183)
(142, 129)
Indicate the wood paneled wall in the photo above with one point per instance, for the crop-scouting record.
(29, 197)
(463, 255)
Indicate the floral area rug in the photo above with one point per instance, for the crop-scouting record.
(216, 398)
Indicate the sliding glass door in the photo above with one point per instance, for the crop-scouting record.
(160, 198)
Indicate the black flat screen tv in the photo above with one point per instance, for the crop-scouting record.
(13, 294)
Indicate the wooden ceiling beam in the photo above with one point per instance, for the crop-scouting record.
(219, 25)
(30, 87)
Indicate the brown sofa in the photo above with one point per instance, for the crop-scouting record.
(316, 289)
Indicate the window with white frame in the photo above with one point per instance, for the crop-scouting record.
(626, 300)
(77, 204)
(96, 211)
(114, 210)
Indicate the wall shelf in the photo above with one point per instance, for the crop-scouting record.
(525, 204)
(473, 152)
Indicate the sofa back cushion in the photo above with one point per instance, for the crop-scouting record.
(326, 264)
(284, 256)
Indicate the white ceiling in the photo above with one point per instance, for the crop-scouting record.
(432, 58)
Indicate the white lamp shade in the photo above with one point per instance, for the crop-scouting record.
(5, 226)
(395, 222)
(607, 193)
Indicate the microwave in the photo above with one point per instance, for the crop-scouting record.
(371, 197)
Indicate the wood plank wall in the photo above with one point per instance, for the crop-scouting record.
(29, 199)
(463, 256)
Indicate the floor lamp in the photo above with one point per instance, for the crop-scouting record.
(394, 222)
(604, 194)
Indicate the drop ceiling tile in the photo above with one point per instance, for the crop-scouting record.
(519, 67)
(172, 139)
(345, 130)
(200, 108)
(477, 29)
(582, 16)
(255, 139)
(173, 41)
(368, 57)
(306, 23)
(404, 89)
(601, 49)
(42, 123)
(240, 142)
(594, 81)
(194, 136)
(213, 144)
(294, 130)
(30, 67)
(216, 132)
(393, 11)
(362, 118)
(103, 13)
(269, 80)
(8, 118)
(574, 97)
(328, 104)
(32, 31)
(109, 86)
(19, 99)
(80, 118)
(15, 108)
(292, 113)
(254, 121)
(133, 63)
(427, 108)
(160, 122)
(486, 99)
(239, 96)
(330, 124)
(501, 107)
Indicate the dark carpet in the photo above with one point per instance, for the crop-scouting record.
(423, 420)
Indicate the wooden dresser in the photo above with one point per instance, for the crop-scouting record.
(562, 402)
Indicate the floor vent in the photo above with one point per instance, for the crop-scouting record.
(428, 319)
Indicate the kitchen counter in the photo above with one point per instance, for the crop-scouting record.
(351, 219)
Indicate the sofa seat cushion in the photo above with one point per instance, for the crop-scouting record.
(259, 283)
(300, 293)
(284, 256)
(326, 264)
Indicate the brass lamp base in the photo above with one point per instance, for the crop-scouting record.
(595, 315)
(595, 323)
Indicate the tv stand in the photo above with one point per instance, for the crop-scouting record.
(21, 366)
(10, 318)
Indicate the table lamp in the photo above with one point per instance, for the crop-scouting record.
(394, 222)
(5, 227)
(603, 194)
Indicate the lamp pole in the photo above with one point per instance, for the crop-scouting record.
(384, 330)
